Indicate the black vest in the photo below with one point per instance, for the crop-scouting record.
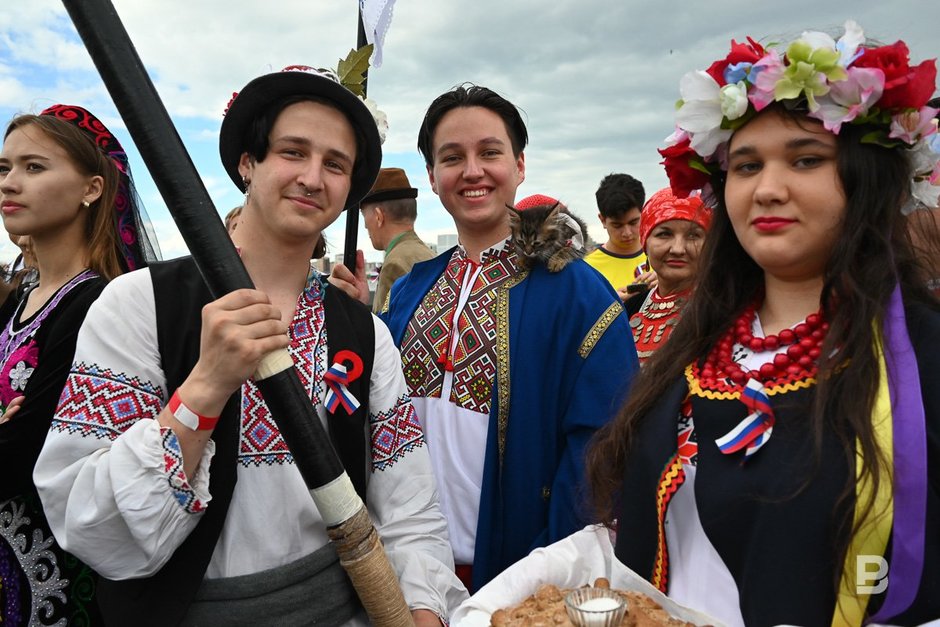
(180, 295)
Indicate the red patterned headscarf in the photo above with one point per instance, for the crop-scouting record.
(137, 246)
(664, 206)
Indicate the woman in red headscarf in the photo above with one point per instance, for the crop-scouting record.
(672, 231)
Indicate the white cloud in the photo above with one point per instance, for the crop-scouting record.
(597, 80)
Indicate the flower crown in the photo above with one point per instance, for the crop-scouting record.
(837, 82)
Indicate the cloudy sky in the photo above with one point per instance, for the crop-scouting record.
(597, 81)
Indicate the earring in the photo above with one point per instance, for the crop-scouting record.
(246, 183)
(86, 204)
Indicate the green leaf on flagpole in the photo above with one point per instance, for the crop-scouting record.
(352, 70)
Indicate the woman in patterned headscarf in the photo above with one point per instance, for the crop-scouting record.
(64, 183)
(672, 231)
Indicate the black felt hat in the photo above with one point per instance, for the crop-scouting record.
(263, 91)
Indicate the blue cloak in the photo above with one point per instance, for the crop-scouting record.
(565, 358)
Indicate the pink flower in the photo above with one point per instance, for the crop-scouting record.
(850, 98)
(769, 70)
(911, 126)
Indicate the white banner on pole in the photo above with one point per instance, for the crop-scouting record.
(376, 18)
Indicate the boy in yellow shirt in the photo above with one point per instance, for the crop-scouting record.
(621, 258)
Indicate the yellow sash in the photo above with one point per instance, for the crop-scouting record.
(875, 529)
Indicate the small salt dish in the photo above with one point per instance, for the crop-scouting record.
(595, 607)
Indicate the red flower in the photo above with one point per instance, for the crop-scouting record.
(683, 178)
(905, 87)
(751, 52)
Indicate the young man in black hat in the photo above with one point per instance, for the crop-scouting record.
(389, 211)
(164, 469)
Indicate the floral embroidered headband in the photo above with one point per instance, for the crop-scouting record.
(137, 246)
(836, 82)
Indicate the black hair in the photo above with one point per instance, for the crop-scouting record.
(255, 141)
(618, 194)
(470, 95)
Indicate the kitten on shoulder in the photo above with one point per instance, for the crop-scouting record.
(548, 234)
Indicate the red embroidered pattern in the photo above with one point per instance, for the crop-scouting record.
(87, 122)
(100, 403)
(394, 433)
(261, 441)
(429, 331)
(688, 442)
(175, 475)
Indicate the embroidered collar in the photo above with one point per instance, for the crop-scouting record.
(499, 250)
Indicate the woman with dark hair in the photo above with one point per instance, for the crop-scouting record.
(65, 186)
(778, 461)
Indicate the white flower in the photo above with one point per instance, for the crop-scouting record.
(19, 376)
(678, 136)
(734, 100)
(924, 163)
(849, 43)
(847, 46)
(700, 114)
(381, 120)
(817, 40)
(926, 193)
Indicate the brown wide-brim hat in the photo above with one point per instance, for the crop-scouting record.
(300, 80)
(391, 184)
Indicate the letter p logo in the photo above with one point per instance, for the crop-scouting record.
(864, 575)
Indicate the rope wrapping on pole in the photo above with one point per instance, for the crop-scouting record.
(174, 173)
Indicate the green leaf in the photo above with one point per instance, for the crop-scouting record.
(880, 138)
(352, 70)
(695, 164)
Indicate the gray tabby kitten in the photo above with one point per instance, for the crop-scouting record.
(547, 234)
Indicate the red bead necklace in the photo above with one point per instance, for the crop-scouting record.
(799, 361)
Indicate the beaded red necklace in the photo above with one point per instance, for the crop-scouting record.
(799, 361)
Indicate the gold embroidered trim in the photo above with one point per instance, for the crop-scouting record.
(597, 331)
(388, 298)
(502, 359)
(695, 388)
(673, 476)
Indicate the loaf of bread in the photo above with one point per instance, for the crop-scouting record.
(546, 608)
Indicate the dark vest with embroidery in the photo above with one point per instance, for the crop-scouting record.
(180, 295)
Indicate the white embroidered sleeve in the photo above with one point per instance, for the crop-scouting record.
(401, 493)
(109, 476)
